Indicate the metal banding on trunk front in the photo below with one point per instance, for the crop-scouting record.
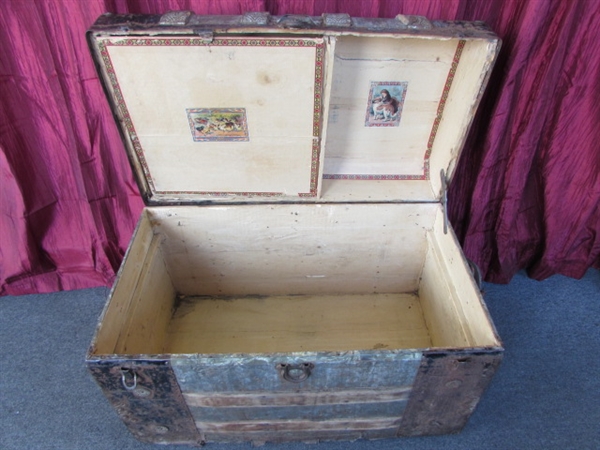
(332, 371)
(344, 396)
(195, 399)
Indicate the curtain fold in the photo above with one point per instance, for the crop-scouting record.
(528, 190)
(526, 194)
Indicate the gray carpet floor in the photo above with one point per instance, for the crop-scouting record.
(546, 394)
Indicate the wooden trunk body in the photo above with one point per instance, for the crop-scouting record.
(328, 300)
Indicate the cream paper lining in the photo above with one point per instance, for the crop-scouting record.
(272, 80)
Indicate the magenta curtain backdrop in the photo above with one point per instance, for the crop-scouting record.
(526, 194)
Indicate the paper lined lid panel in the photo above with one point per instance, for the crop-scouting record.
(232, 118)
(310, 115)
(399, 111)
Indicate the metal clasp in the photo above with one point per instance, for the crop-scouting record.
(206, 36)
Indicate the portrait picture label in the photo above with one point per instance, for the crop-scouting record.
(384, 106)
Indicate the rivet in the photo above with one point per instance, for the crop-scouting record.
(161, 429)
(141, 392)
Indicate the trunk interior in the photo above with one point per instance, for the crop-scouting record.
(292, 278)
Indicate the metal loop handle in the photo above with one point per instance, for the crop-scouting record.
(124, 381)
(295, 373)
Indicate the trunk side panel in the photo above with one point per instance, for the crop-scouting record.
(151, 406)
(447, 390)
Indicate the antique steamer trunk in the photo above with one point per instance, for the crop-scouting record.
(293, 276)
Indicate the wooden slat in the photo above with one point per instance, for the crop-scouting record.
(445, 327)
(148, 317)
(311, 406)
(267, 399)
(332, 371)
(139, 308)
(388, 190)
(259, 438)
(455, 312)
(346, 411)
(298, 425)
(469, 303)
(328, 62)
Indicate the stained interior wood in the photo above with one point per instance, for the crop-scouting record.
(139, 311)
(113, 318)
(294, 249)
(453, 307)
(291, 278)
(297, 323)
(147, 317)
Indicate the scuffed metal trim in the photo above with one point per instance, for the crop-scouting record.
(147, 398)
(448, 386)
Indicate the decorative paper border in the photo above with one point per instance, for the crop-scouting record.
(218, 124)
(384, 106)
(222, 42)
(434, 129)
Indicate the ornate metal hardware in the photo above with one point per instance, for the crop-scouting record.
(296, 21)
(256, 18)
(336, 20)
(175, 18)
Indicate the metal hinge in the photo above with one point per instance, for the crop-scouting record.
(444, 199)
(206, 36)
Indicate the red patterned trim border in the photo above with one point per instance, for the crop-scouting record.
(317, 116)
(234, 42)
(387, 177)
(222, 194)
(434, 129)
